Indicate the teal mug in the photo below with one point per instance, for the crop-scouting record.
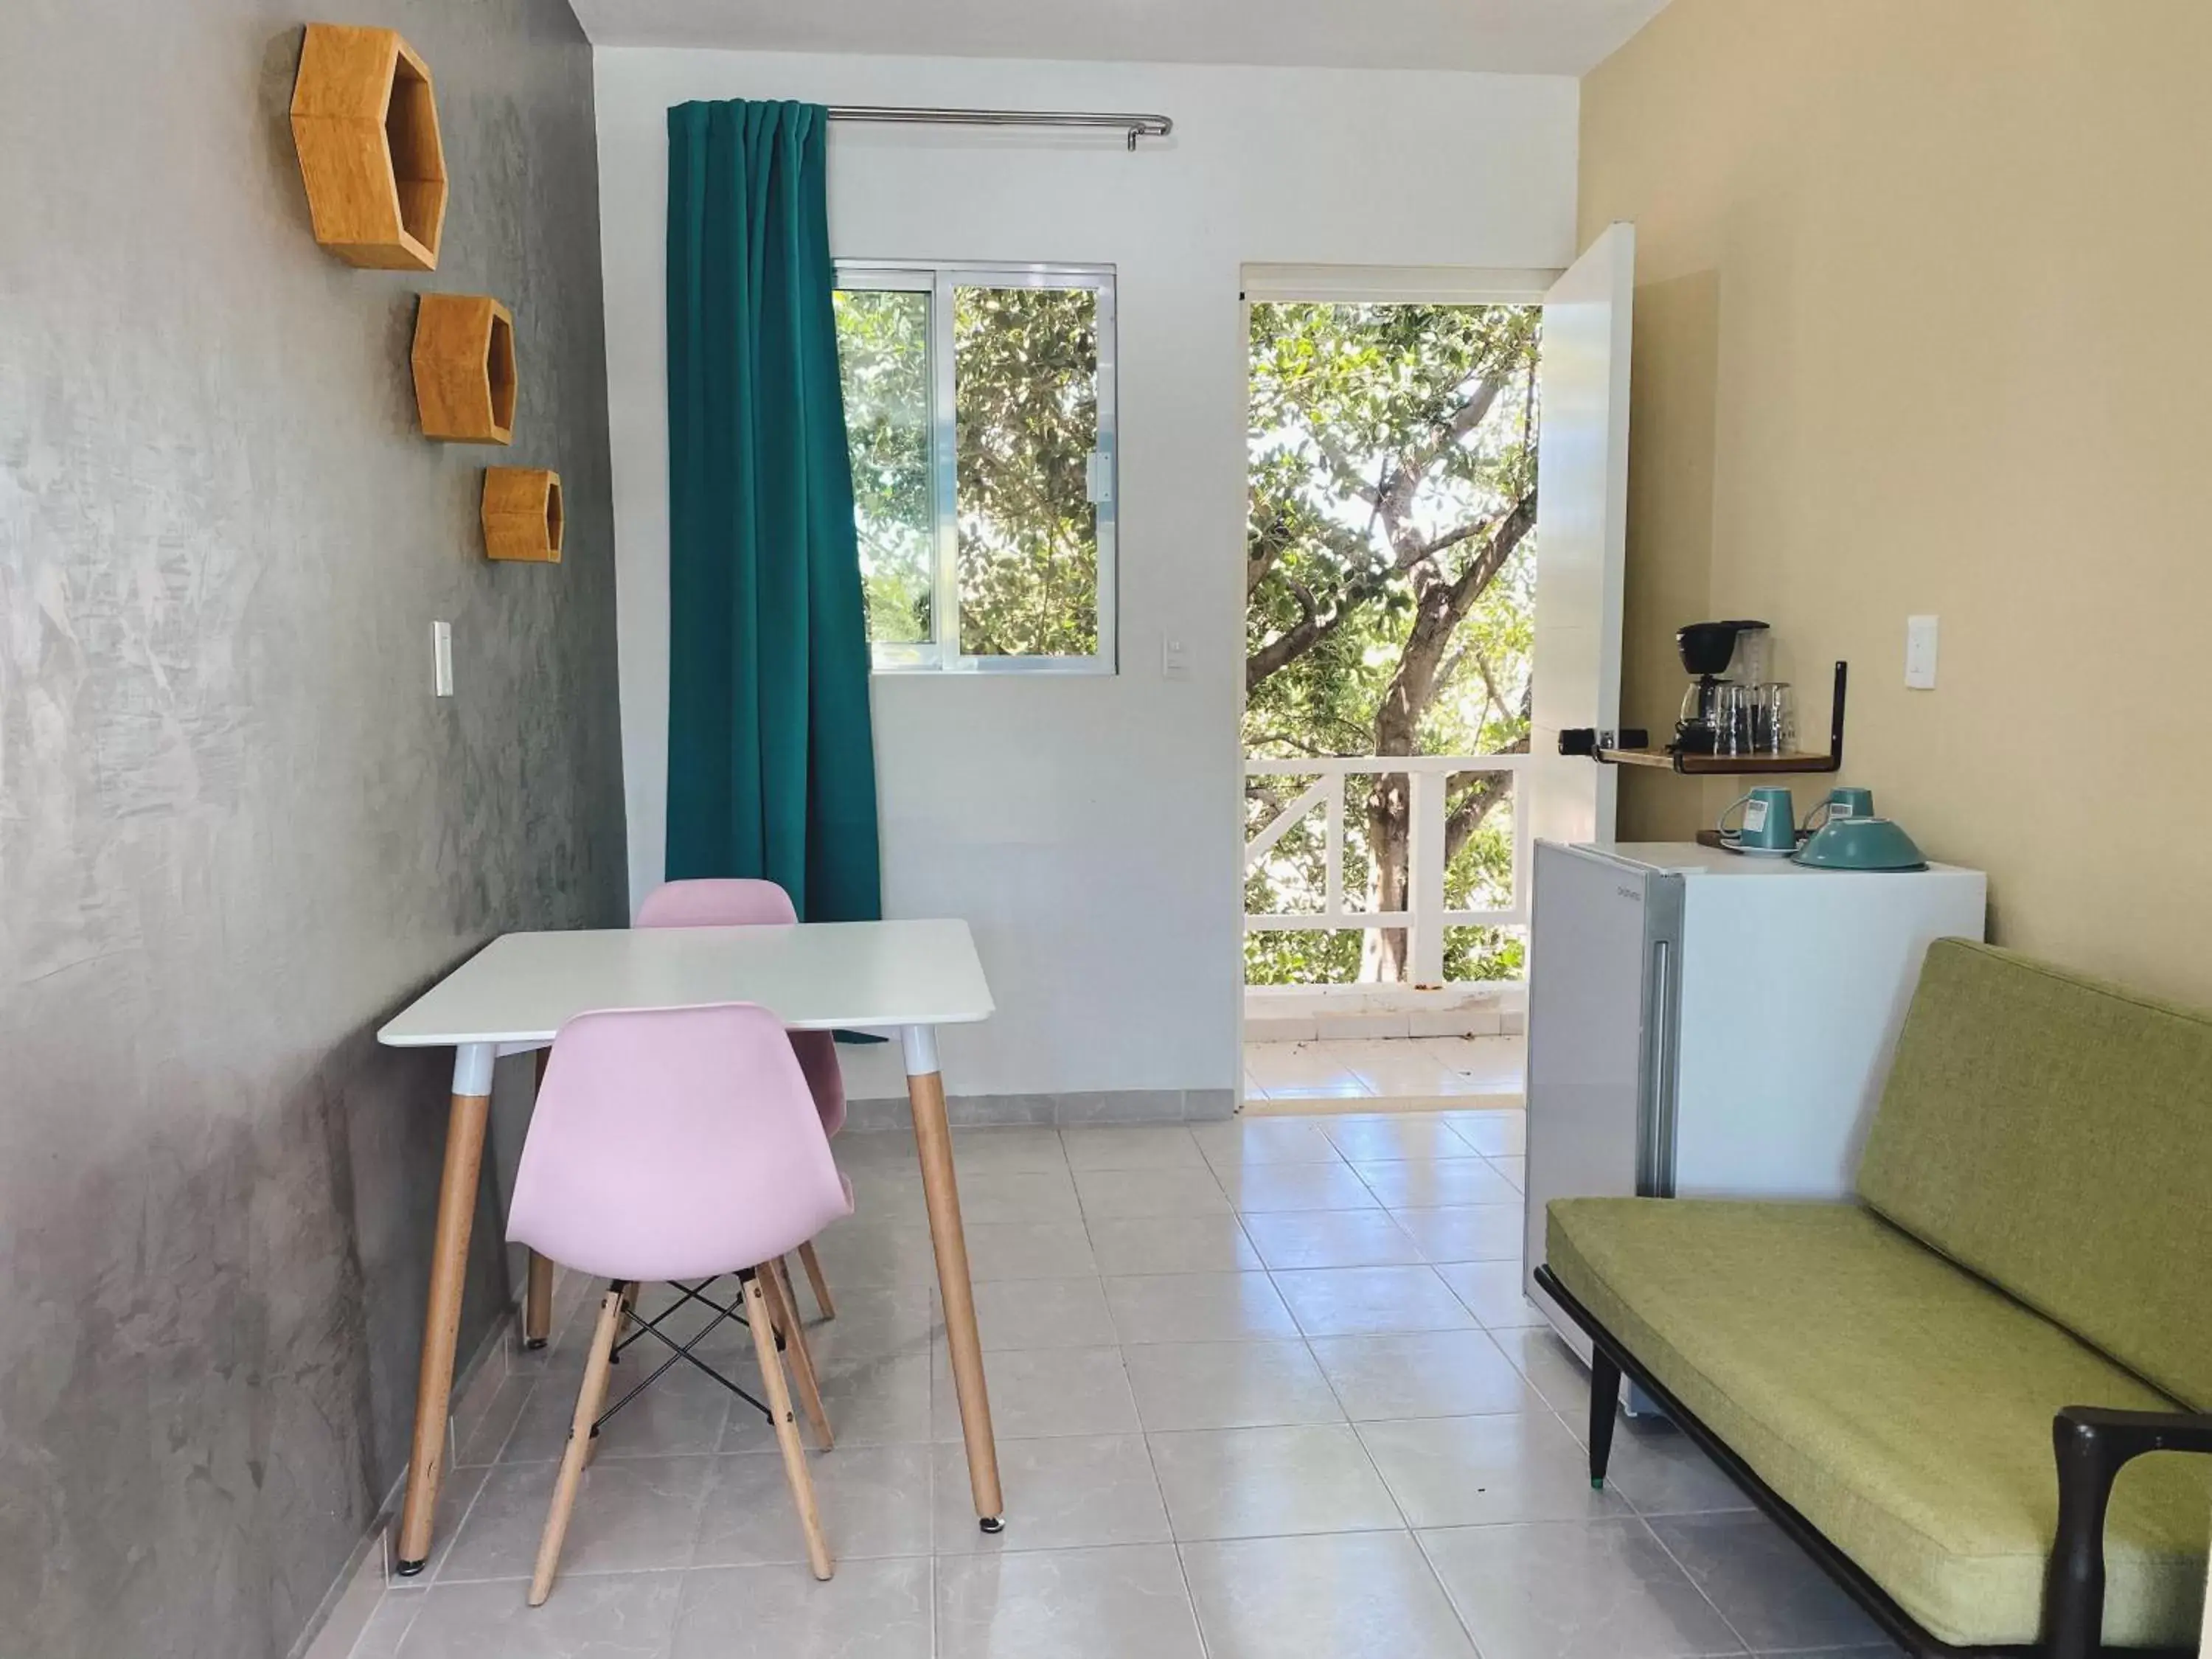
(1845, 802)
(1770, 822)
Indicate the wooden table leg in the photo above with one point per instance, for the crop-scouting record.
(933, 1140)
(537, 1294)
(441, 1319)
(537, 1301)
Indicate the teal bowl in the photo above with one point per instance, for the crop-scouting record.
(1861, 844)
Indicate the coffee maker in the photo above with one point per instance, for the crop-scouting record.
(1716, 653)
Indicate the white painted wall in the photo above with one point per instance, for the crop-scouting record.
(1089, 829)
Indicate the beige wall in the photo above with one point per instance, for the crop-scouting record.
(1924, 324)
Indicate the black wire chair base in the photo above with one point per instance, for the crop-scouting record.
(652, 1328)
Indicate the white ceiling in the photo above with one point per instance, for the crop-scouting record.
(1552, 37)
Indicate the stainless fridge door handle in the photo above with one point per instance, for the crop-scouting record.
(1656, 1152)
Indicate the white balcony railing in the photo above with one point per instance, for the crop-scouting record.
(1428, 779)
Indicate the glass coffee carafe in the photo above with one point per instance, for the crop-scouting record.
(1727, 658)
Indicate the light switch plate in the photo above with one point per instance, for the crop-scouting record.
(1920, 653)
(1175, 659)
(441, 658)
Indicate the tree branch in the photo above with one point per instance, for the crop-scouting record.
(1489, 682)
(1289, 742)
(1396, 502)
(1347, 476)
(1294, 642)
(1263, 550)
(1477, 803)
(1452, 538)
(1439, 608)
(1464, 420)
(1483, 569)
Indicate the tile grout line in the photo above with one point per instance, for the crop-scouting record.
(1396, 1503)
(1086, 1220)
(491, 1467)
(1690, 1578)
(1143, 1436)
(1437, 1579)
(1175, 1543)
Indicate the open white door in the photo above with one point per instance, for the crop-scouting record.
(1582, 516)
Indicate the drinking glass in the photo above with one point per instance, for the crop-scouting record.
(1774, 718)
(1732, 718)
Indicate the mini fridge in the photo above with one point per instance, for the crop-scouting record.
(1706, 1023)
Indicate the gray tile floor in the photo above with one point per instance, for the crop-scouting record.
(1265, 1387)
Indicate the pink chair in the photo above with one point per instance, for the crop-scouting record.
(738, 903)
(672, 1145)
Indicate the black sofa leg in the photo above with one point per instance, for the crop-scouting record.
(1604, 1406)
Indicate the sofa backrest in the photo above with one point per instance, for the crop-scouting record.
(2055, 1136)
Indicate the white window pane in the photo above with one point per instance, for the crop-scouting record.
(883, 350)
(1025, 363)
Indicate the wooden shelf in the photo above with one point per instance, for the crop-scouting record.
(365, 122)
(522, 517)
(464, 360)
(1585, 740)
(1710, 765)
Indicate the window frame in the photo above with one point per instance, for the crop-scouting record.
(938, 279)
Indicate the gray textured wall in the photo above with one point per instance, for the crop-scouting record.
(236, 831)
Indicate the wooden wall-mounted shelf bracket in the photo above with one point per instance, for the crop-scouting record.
(522, 516)
(465, 376)
(1583, 741)
(365, 122)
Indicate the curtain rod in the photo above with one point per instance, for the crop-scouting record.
(1133, 127)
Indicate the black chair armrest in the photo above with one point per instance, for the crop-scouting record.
(2092, 1445)
(2134, 1433)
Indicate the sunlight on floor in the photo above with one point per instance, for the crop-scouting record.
(1401, 1073)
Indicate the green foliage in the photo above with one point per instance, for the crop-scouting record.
(1347, 397)
(1025, 365)
(883, 354)
(1025, 375)
(1386, 442)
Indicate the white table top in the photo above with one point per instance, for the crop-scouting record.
(521, 986)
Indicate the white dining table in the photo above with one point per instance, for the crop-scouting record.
(513, 996)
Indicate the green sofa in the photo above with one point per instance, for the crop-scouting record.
(1935, 1389)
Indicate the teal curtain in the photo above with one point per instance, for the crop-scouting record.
(771, 760)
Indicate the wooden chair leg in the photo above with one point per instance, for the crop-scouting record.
(817, 1278)
(787, 1430)
(629, 1316)
(589, 1400)
(783, 1305)
(623, 1320)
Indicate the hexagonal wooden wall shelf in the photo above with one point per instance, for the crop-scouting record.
(365, 123)
(522, 514)
(464, 368)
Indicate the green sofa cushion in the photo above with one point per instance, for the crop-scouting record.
(2055, 1135)
(1899, 1405)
